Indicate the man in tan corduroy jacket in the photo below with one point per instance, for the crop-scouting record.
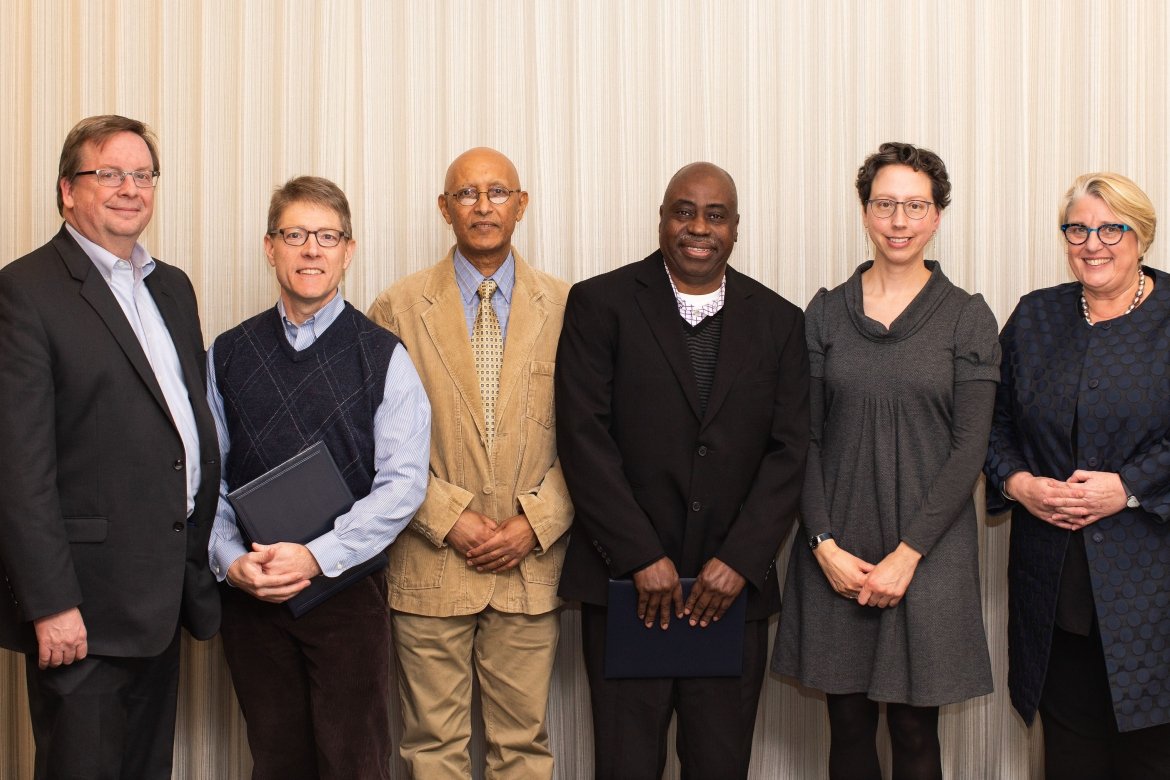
(473, 580)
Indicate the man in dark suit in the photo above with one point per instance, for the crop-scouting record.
(682, 426)
(110, 468)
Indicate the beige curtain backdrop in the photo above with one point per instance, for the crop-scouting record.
(597, 102)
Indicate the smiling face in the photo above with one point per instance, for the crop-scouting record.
(308, 275)
(111, 217)
(698, 224)
(1105, 271)
(897, 239)
(483, 231)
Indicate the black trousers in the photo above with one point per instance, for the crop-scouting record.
(315, 691)
(716, 715)
(105, 718)
(1081, 740)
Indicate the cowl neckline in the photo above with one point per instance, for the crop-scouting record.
(912, 318)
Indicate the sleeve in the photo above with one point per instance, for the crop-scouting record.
(814, 513)
(1004, 456)
(604, 501)
(549, 509)
(402, 449)
(771, 505)
(976, 369)
(34, 547)
(226, 543)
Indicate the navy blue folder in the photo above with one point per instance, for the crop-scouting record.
(632, 650)
(298, 501)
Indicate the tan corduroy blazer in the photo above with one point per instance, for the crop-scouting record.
(523, 474)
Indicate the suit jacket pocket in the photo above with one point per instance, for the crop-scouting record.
(81, 530)
(415, 564)
(542, 569)
(540, 405)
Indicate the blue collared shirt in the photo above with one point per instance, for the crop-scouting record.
(468, 277)
(138, 305)
(402, 449)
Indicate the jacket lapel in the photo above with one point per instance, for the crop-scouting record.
(96, 292)
(660, 310)
(447, 329)
(525, 322)
(733, 343)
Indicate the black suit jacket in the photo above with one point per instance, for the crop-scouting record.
(93, 495)
(648, 474)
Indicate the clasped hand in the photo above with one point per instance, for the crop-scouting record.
(492, 547)
(880, 585)
(1085, 498)
(274, 572)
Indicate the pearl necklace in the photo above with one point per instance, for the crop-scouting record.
(1137, 298)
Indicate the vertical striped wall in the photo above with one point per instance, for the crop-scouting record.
(597, 102)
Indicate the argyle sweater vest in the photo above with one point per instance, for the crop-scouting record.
(278, 401)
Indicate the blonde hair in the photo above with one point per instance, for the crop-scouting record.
(1123, 197)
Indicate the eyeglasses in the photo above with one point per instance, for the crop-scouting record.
(112, 177)
(1109, 234)
(884, 207)
(469, 196)
(327, 238)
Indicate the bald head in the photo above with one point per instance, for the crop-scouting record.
(478, 158)
(702, 170)
(483, 230)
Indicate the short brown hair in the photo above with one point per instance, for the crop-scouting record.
(98, 129)
(309, 189)
(921, 160)
(1123, 197)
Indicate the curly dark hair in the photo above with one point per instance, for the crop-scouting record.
(923, 160)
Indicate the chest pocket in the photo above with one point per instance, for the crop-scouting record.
(540, 406)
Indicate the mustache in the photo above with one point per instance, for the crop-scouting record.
(696, 241)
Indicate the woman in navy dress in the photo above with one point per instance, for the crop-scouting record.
(1080, 452)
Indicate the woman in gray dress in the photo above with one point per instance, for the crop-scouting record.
(882, 603)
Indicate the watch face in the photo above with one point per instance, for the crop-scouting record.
(1132, 502)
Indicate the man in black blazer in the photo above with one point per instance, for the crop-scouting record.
(682, 426)
(110, 468)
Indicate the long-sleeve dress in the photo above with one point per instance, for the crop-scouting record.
(900, 419)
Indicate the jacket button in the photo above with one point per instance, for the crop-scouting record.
(1092, 461)
(696, 506)
(487, 490)
(177, 526)
(702, 450)
(1093, 383)
(179, 464)
(1098, 537)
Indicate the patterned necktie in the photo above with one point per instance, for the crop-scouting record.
(487, 344)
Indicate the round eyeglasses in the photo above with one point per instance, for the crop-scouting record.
(1109, 234)
(112, 177)
(469, 196)
(327, 238)
(883, 208)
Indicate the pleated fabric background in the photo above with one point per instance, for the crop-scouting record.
(598, 102)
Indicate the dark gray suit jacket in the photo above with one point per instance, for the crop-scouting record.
(93, 493)
(649, 474)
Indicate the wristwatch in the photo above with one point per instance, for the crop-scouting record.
(1132, 502)
(815, 541)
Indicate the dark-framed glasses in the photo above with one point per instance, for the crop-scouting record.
(327, 238)
(112, 177)
(883, 208)
(1110, 233)
(469, 196)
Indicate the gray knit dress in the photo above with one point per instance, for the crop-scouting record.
(900, 420)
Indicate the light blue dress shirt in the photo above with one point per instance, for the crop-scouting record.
(127, 281)
(468, 277)
(402, 448)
